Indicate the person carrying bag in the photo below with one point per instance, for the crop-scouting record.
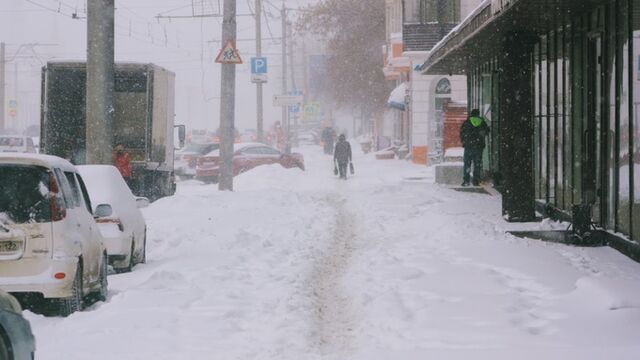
(343, 157)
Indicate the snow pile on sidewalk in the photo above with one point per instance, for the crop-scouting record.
(387, 265)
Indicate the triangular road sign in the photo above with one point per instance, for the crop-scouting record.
(229, 55)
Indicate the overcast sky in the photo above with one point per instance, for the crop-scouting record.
(184, 46)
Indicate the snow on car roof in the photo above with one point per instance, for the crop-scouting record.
(105, 185)
(37, 159)
(237, 147)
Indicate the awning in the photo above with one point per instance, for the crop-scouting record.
(397, 97)
(479, 37)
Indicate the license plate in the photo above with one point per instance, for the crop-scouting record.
(9, 246)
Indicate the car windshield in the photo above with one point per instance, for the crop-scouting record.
(23, 193)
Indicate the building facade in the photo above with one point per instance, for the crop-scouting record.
(559, 82)
(425, 23)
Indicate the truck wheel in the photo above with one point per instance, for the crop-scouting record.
(67, 306)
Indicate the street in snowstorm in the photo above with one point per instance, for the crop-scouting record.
(385, 265)
(319, 179)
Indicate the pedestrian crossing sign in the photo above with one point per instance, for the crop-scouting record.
(229, 54)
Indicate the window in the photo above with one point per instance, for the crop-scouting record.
(269, 151)
(85, 194)
(624, 160)
(66, 188)
(75, 190)
(252, 151)
(24, 192)
(441, 11)
(635, 124)
(412, 11)
(443, 87)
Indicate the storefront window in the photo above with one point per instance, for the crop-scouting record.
(577, 108)
(559, 118)
(624, 161)
(551, 119)
(636, 118)
(613, 81)
(568, 128)
(536, 119)
(544, 121)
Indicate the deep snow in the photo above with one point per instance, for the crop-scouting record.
(386, 265)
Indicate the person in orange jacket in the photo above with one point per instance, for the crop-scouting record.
(122, 162)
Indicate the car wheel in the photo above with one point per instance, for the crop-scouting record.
(67, 306)
(104, 283)
(5, 346)
(143, 257)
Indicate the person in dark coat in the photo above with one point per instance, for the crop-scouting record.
(472, 135)
(342, 155)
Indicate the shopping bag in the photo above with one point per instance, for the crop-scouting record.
(351, 169)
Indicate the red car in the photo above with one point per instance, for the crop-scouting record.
(246, 156)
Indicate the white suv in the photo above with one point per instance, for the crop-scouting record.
(50, 245)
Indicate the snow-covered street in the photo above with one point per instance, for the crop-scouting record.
(387, 265)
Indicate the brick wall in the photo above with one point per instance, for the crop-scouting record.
(455, 115)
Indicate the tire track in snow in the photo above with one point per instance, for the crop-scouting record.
(334, 316)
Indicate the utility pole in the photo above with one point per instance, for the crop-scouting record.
(227, 100)
(285, 109)
(259, 106)
(293, 83)
(100, 81)
(2, 85)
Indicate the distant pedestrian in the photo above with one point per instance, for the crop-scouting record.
(472, 135)
(122, 162)
(342, 156)
(281, 139)
(328, 139)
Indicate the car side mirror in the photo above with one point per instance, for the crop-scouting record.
(142, 202)
(103, 211)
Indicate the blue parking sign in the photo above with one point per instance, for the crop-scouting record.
(259, 65)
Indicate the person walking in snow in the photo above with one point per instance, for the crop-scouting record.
(342, 156)
(472, 135)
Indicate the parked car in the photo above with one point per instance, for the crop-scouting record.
(117, 212)
(16, 143)
(246, 156)
(307, 138)
(50, 245)
(16, 339)
(186, 159)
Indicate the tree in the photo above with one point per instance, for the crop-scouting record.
(354, 31)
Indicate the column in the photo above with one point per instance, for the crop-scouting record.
(516, 127)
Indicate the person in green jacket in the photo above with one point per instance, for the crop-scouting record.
(472, 135)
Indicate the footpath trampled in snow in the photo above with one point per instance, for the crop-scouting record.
(300, 265)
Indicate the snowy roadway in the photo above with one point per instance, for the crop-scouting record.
(300, 265)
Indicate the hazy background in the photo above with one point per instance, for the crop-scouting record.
(184, 46)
